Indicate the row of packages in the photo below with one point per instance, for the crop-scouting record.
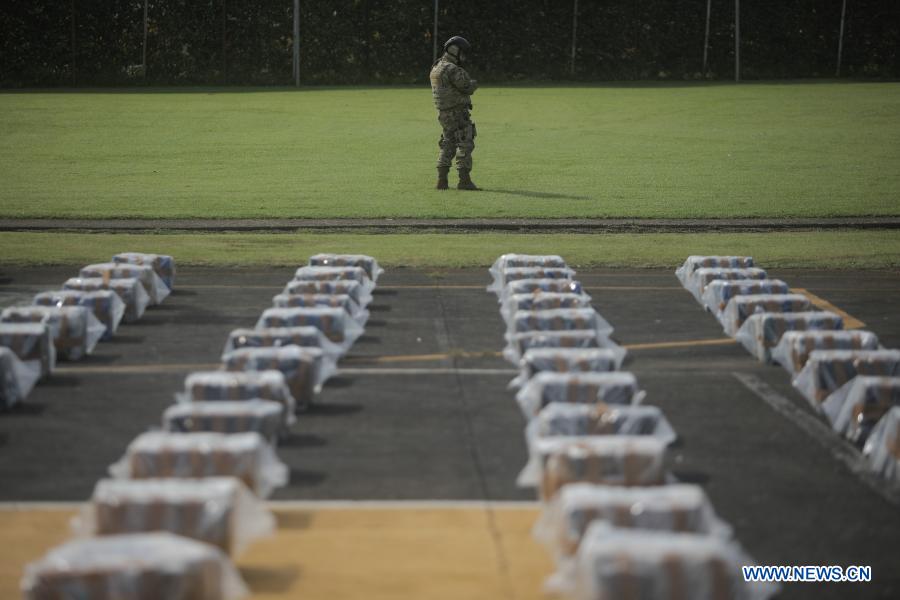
(67, 324)
(183, 499)
(613, 519)
(845, 375)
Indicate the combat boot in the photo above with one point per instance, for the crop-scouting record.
(465, 182)
(442, 183)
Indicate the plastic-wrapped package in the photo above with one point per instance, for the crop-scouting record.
(567, 360)
(202, 386)
(882, 449)
(699, 279)
(303, 368)
(537, 286)
(161, 454)
(367, 263)
(343, 301)
(75, 329)
(718, 292)
(693, 263)
(357, 274)
(618, 387)
(105, 304)
(518, 273)
(276, 337)
(520, 343)
(142, 566)
(16, 378)
(162, 264)
(130, 290)
(741, 307)
(220, 511)
(573, 420)
(625, 460)
(857, 406)
(153, 285)
(537, 301)
(562, 319)
(794, 347)
(678, 508)
(637, 564)
(762, 332)
(337, 287)
(334, 323)
(828, 370)
(516, 261)
(265, 417)
(32, 343)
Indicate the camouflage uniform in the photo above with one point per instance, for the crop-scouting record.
(452, 89)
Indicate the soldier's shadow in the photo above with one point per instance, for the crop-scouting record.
(529, 194)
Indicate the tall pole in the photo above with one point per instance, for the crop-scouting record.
(224, 39)
(435, 36)
(737, 40)
(297, 43)
(837, 71)
(706, 36)
(144, 51)
(574, 36)
(74, 70)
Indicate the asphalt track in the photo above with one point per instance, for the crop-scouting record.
(420, 412)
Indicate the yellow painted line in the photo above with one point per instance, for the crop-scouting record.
(136, 369)
(684, 344)
(420, 357)
(850, 322)
(407, 553)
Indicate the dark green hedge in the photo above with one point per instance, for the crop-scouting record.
(99, 42)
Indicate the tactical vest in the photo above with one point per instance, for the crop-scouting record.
(445, 96)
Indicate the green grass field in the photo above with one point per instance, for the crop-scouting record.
(696, 150)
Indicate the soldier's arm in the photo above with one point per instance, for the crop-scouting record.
(462, 82)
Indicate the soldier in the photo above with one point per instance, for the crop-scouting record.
(452, 89)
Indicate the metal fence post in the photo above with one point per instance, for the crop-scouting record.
(706, 37)
(574, 36)
(737, 40)
(297, 43)
(434, 37)
(837, 71)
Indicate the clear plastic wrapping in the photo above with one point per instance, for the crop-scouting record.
(794, 347)
(366, 263)
(160, 454)
(699, 279)
(144, 566)
(636, 564)
(520, 343)
(828, 370)
(858, 405)
(537, 301)
(561, 319)
(237, 386)
(303, 368)
(357, 274)
(537, 286)
(75, 329)
(130, 290)
(618, 388)
(162, 264)
(334, 323)
(567, 360)
(693, 263)
(678, 508)
(342, 301)
(336, 287)
(265, 417)
(106, 305)
(305, 337)
(220, 511)
(514, 261)
(882, 449)
(519, 273)
(718, 292)
(741, 307)
(153, 285)
(16, 378)
(624, 460)
(32, 343)
(574, 420)
(762, 332)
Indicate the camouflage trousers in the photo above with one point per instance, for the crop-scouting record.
(457, 138)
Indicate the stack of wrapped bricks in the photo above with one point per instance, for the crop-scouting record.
(616, 523)
(66, 324)
(847, 377)
(186, 499)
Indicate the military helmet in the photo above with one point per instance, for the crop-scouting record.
(458, 41)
